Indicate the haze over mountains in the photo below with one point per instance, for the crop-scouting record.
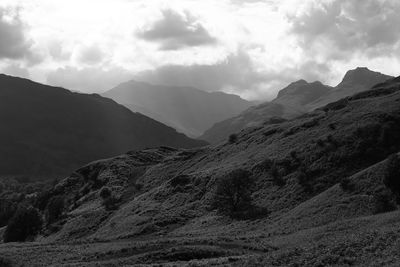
(187, 109)
(48, 130)
(296, 99)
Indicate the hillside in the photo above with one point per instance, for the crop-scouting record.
(296, 99)
(48, 130)
(189, 110)
(323, 198)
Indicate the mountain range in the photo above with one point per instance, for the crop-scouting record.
(48, 130)
(187, 109)
(320, 180)
(297, 98)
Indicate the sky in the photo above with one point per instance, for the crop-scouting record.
(252, 48)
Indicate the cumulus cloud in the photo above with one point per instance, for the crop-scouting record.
(13, 42)
(175, 31)
(345, 26)
(88, 79)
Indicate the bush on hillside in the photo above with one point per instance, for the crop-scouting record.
(384, 202)
(233, 196)
(392, 175)
(277, 177)
(347, 185)
(4, 262)
(105, 192)
(54, 209)
(43, 199)
(109, 201)
(25, 223)
(7, 210)
(305, 180)
(233, 138)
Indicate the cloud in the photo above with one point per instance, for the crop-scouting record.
(175, 31)
(236, 74)
(348, 26)
(57, 51)
(236, 70)
(13, 42)
(88, 79)
(90, 55)
(16, 70)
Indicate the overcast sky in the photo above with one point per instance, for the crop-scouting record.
(248, 47)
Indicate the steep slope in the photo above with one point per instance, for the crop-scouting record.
(164, 214)
(187, 109)
(47, 130)
(290, 102)
(296, 99)
(312, 154)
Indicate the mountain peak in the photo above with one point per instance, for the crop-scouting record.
(301, 87)
(362, 76)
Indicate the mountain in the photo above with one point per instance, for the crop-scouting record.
(319, 180)
(354, 81)
(295, 99)
(299, 94)
(189, 110)
(48, 130)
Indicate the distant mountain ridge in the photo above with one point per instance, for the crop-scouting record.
(50, 130)
(297, 98)
(187, 109)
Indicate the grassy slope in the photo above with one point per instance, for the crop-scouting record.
(167, 220)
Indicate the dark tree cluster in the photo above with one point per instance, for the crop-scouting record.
(25, 224)
(109, 201)
(392, 175)
(233, 196)
(233, 138)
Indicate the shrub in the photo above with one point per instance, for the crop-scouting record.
(304, 179)
(320, 142)
(252, 212)
(233, 193)
(384, 202)
(26, 223)
(180, 180)
(43, 199)
(105, 192)
(138, 186)
(233, 138)
(110, 202)
(5, 262)
(7, 210)
(392, 175)
(54, 209)
(347, 185)
(276, 175)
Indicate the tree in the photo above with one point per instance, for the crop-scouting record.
(105, 192)
(233, 193)
(25, 223)
(110, 202)
(392, 175)
(54, 209)
(233, 138)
